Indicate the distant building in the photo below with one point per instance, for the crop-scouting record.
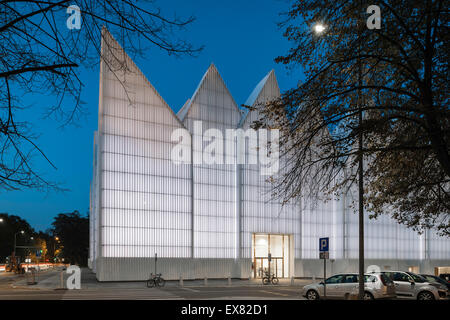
(214, 220)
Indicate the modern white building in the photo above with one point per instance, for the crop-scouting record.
(213, 220)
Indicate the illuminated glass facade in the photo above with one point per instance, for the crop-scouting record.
(204, 220)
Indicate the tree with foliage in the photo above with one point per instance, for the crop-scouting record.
(39, 251)
(398, 77)
(41, 49)
(72, 229)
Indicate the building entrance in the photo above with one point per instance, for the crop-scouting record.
(277, 246)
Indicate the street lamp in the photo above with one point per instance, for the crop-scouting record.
(319, 28)
(54, 247)
(15, 241)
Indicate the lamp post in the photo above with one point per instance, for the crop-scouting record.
(360, 164)
(54, 248)
(319, 28)
(15, 240)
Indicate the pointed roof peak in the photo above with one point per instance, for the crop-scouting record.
(109, 43)
(257, 90)
(251, 100)
(212, 68)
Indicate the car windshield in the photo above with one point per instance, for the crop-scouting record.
(417, 278)
(434, 279)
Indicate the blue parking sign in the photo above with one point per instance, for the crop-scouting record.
(324, 244)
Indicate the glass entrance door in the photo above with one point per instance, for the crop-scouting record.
(276, 267)
(278, 247)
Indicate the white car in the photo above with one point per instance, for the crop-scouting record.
(411, 286)
(342, 286)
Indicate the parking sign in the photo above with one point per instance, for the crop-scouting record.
(324, 244)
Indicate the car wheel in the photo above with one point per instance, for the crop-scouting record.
(368, 296)
(425, 296)
(312, 295)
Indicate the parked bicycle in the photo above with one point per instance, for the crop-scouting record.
(269, 278)
(155, 281)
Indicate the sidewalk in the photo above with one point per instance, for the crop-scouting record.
(52, 280)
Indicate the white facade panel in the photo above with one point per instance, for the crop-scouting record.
(214, 195)
(145, 197)
(259, 213)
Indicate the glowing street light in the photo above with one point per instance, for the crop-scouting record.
(15, 241)
(319, 28)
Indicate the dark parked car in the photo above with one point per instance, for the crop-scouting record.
(445, 276)
(437, 279)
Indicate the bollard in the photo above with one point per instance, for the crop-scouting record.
(181, 282)
(206, 282)
(61, 278)
(292, 281)
(31, 276)
(229, 281)
(313, 278)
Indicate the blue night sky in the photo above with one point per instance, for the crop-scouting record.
(241, 38)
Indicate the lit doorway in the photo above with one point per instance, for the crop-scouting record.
(278, 246)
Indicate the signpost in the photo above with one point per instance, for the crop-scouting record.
(324, 244)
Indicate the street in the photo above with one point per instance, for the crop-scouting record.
(14, 287)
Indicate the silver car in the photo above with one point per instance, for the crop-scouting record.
(411, 286)
(342, 286)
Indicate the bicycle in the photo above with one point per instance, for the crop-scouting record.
(269, 278)
(155, 281)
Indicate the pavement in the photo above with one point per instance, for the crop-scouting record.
(48, 287)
